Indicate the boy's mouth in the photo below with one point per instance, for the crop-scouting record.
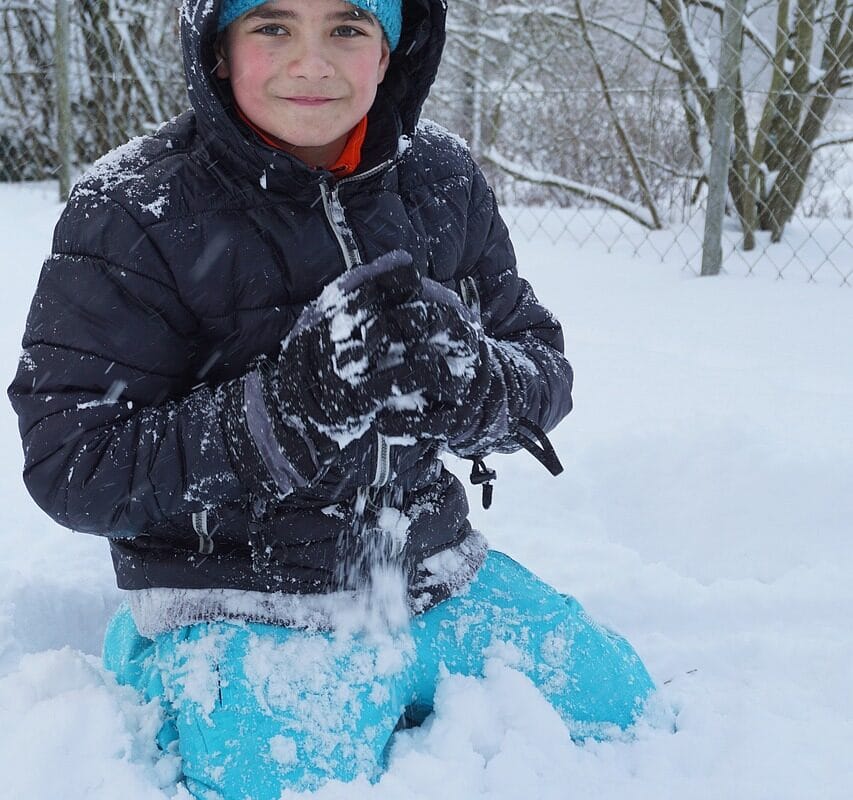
(309, 101)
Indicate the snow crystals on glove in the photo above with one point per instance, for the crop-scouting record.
(460, 358)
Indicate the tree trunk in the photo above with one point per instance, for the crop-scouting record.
(786, 192)
(739, 185)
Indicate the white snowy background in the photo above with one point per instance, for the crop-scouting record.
(706, 512)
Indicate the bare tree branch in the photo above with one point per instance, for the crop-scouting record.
(829, 141)
(635, 211)
(636, 168)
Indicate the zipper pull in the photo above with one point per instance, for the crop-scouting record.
(470, 294)
(256, 523)
(482, 475)
(205, 540)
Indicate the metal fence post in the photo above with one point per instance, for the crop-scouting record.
(721, 136)
(61, 59)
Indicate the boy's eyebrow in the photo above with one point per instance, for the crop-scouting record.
(266, 12)
(353, 14)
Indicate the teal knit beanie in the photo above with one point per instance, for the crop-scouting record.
(388, 12)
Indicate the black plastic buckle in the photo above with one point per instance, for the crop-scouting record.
(482, 475)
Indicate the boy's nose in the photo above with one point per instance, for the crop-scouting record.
(310, 62)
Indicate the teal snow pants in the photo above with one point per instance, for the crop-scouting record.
(259, 708)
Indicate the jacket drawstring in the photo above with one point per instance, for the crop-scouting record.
(533, 439)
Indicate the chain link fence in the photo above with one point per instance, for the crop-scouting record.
(119, 62)
(594, 120)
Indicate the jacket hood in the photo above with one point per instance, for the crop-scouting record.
(413, 67)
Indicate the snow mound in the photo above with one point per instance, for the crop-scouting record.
(77, 735)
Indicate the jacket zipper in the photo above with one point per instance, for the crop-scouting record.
(383, 461)
(470, 294)
(346, 241)
(337, 221)
(256, 514)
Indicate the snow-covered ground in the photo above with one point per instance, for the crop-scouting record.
(706, 512)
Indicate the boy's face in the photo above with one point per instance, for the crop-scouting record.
(305, 71)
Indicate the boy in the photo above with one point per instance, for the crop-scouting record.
(245, 354)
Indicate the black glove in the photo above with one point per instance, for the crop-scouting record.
(341, 363)
(464, 396)
(442, 342)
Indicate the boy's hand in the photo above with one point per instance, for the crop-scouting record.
(344, 360)
(341, 364)
(455, 380)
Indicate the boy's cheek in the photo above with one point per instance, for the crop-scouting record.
(244, 65)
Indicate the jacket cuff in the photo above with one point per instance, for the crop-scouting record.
(257, 441)
(272, 439)
(245, 458)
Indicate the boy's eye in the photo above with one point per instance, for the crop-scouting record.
(272, 30)
(347, 32)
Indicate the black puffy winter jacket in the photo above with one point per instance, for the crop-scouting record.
(181, 257)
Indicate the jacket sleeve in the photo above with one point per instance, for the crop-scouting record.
(115, 436)
(531, 378)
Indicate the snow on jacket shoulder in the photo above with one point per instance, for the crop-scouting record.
(184, 256)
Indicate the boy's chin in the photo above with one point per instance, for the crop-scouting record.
(313, 138)
(316, 141)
